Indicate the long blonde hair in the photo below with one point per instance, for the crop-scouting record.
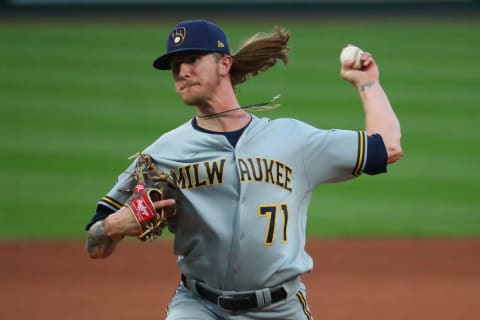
(258, 54)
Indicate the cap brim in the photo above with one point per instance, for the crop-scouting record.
(163, 62)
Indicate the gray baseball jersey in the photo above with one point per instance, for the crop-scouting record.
(242, 210)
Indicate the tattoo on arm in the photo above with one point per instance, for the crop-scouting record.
(97, 241)
(366, 85)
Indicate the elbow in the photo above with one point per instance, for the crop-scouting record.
(98, 256)
(393, 146)
(95, 256)
(98, 244)
(394, 153)
(96, 252)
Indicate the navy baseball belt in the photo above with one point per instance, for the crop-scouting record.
(233, 301)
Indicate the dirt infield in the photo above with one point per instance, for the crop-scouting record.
(352, 279)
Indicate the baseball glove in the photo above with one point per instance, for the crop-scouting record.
(151, 184)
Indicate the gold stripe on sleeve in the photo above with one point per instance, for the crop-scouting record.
(361, 154)
(112, 202)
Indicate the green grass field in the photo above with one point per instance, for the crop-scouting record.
(78, 98)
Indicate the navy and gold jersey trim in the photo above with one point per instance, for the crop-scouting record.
(111, 202)
(303, 301)
(360, 155)
(376, 161)
(105, 207)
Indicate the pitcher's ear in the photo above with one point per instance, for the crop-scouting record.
(226, 62)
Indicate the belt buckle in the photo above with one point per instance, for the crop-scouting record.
(229, 302)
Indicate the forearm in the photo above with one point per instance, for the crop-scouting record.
(380, 117)
(104, 235)
(99, 244)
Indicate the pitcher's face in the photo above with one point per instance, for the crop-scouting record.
(196, 76)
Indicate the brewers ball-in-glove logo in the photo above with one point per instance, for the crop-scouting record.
(178, 36)
(150, 184)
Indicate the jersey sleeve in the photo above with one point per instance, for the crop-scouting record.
(377, 155)
(338, 155)
(115, 198)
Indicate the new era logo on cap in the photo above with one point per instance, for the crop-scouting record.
(193, 35)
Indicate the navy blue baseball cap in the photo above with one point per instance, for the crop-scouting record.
(193, 35)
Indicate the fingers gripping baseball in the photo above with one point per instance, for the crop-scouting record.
(357, 66)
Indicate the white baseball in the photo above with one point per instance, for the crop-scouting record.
(352, 53)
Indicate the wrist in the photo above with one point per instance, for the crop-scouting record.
(98, 244)
(111, 227)
(364, 86)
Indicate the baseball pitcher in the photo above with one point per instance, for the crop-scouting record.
(235, 188)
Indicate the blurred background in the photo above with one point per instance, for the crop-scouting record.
(78, 96)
